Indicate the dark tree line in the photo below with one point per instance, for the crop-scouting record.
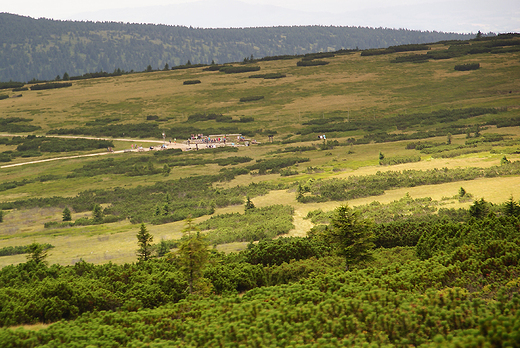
(42, 48)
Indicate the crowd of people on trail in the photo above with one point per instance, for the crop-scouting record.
(201, 139)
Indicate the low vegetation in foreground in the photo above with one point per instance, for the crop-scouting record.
(455, 284)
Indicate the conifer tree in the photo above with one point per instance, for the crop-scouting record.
(37, 253)
(144, 240)
(66, 214)
(249, 204)
(351, 235)
(97, 214)
(193, 254)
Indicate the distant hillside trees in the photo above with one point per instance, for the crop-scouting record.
(43, 48)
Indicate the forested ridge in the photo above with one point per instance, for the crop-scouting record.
(42, 48)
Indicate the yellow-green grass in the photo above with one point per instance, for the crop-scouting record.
(370, 87)
(362, 87)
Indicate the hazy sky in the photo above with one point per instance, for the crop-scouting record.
(440, 15)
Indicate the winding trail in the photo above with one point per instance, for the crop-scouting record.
(182, 146)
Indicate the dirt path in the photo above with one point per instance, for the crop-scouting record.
(136, 141)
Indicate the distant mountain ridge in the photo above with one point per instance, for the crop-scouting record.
(43, 48)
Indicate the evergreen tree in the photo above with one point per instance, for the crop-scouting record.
(449, 139)
(66, 77)
(511, 208)
(193, 254)
(158, 210)
(149, 68)
(163, 248)
(66, 214)
(97, 213)
(166, 67)
(350, 234)
(479, 209)
(144, 240)
(249, 204)
(37, 253)
(1, 215)
(381, 157)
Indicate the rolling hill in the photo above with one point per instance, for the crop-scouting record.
(42, 49)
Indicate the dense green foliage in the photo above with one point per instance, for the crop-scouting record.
(393, 49)
(11, 84)
(466, 67)
(21, 249)
(53, 85)
(440, 301)
(228, 69)
(255, 224)
(12, 125)
(191, 82)
(269, 76)
(273, 165)
(503, 43)
(311, 62)
(277, 251)
(251, 98)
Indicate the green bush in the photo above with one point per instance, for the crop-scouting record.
(311, 63)
(466, 67)
(51, 85)
(238, 69)
(191, 82)
(251, 98)
(278, 251)
(268, 76)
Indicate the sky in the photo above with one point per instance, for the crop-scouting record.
(462, 16)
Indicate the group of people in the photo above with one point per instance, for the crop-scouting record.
(201, 139)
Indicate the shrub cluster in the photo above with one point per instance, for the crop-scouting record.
(399, 159)
(51, 85)
(11, 84)
(251, 98)
(394, 49)
(254, 225)
(238, 69)
(311, 62)
(268, 76)
(468, 66)
(275, 164)
(21, 249)
(191, 82)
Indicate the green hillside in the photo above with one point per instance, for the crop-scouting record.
(362, 198)
(42, 49)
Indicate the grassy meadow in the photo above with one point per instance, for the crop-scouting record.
(351, 87)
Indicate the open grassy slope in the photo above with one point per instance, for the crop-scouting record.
(350, 88)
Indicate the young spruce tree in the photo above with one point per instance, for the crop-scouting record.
(144, 240)
(351, 235)
(66, 214)
(193, 254)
